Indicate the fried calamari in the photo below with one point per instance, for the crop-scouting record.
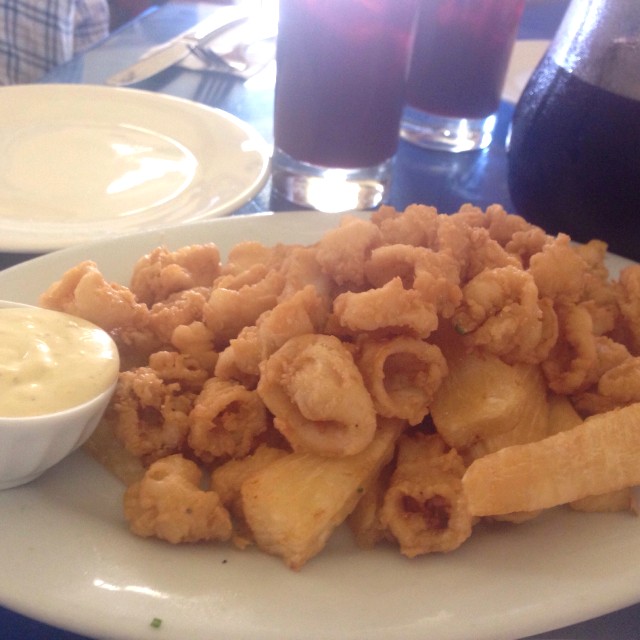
(411, 372)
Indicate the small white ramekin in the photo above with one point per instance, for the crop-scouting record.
(32, 444)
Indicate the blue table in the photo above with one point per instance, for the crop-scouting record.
(441, 179)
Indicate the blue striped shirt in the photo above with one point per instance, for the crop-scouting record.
(36, 35)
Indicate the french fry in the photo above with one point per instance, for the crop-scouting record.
(530, 421)
(227, 479)
(364, 521)
(484, 404)
(293, 505)
(596, 457)
(622, 500)
(562, 415)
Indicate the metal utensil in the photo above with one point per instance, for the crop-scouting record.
(166, 55)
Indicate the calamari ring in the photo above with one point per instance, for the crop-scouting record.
(402, 375)
(225, 420)
(425, 507)
(318, 396)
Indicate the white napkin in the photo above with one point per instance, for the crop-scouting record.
(247, 49)
(524, 59)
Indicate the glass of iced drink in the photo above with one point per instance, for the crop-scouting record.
(340, 88)
(458, 69)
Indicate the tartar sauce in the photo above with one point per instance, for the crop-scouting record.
(51, 361)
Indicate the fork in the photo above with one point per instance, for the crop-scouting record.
(213, 89)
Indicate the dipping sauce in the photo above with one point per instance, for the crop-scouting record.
(51, 361)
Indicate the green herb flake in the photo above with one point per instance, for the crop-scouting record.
(460, 330)
(156, 622)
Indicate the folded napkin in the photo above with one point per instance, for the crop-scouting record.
(241, 51)
(524, 58)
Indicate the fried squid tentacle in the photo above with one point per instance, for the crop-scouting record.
(168, 504)
(236, 302)
(390, 307)
(151, 414)
(342, 252)
(435, 275)
(302, 313)
(573, 359)
(83, 291)
(502, 313)
(628, 295)
(161, 273)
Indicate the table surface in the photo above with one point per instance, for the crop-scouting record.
(444, 180)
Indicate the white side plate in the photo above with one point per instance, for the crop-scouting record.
(80, 162)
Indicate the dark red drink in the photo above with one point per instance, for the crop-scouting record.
(461, 55)
(574, 159)
(342, 68)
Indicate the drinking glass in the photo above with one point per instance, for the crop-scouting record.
(457, 73)
(341, 75)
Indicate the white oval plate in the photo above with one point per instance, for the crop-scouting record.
(68, 559)
(79, 162)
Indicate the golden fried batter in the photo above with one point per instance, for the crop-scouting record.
(361, 374)
(168, 504)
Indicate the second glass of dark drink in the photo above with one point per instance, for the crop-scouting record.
(458, 69)
(340, 88)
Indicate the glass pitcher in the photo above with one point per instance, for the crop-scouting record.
(574, 149)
